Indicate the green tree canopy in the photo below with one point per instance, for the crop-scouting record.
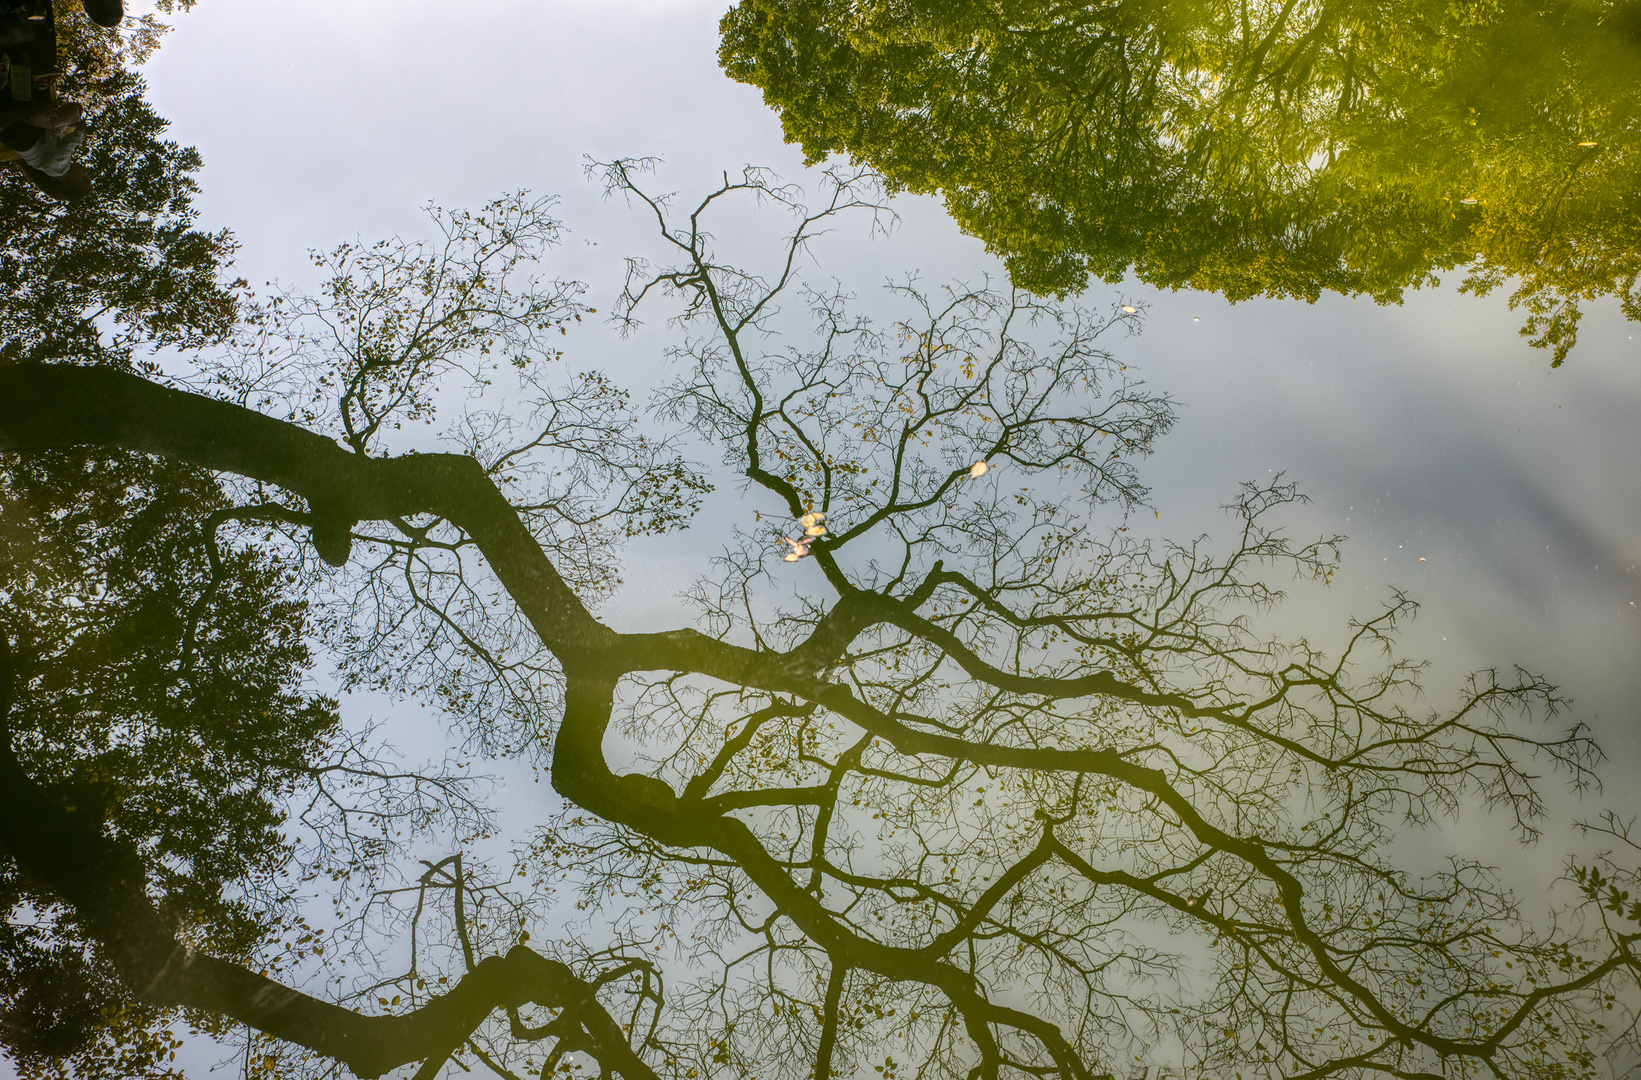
(105, 279)
(131, 622)
(1279, 149)
(161, 678)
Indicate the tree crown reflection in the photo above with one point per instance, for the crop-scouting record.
(1278, 149)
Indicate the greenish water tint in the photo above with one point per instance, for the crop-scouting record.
(1284, 148)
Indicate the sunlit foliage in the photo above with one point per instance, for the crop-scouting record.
(1269, 149)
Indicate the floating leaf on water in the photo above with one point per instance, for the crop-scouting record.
(794, 557)
(811, 518)
(1586, 144)
(977, 470)
(815, 530)
(1129, 309)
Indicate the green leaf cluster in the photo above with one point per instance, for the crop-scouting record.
(1595, 886)
(103, 279)
(160, 690)
(1282, 149)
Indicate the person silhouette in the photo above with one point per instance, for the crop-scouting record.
(28, 31)
(36, 132)
(42, 137)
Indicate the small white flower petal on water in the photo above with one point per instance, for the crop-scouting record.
(1469, 200)
(1130, 309)
(977, 470)
(794, 557)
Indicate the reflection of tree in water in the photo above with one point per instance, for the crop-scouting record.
(1007, 795)
(128, 255)
(103, 561)
(1282, 149)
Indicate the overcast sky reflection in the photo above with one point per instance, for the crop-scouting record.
(1504, 496)
(1427, 430)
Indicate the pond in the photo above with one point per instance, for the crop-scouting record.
(335, 705)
